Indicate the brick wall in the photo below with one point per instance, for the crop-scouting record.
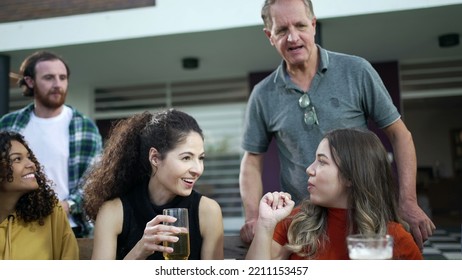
(16, 10)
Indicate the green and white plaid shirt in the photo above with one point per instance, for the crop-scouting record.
(85, 145)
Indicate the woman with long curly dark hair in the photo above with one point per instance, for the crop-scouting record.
(33, 225)
(151, 162)
(352, 190)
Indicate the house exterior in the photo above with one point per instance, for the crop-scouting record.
(128, 60)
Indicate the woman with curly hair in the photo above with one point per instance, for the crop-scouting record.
(151, 162)
(352, 190)
(33, 225)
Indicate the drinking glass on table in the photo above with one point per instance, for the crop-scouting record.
(370, 247)
(181, 247)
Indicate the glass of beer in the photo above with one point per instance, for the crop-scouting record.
(370, 247)
(181, 247)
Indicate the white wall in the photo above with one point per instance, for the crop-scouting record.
(173, 17)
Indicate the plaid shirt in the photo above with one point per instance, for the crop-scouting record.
(85, 146)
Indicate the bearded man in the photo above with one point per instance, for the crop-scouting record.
(65, 141)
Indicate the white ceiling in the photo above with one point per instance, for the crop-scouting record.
(404, 36)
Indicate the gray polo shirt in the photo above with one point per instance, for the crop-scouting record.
(346, 91)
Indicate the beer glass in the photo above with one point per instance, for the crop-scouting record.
(370, 247)
(181, 247)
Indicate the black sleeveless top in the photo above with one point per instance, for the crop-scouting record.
(138, 211)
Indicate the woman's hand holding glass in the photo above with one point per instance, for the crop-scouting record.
(155, 233)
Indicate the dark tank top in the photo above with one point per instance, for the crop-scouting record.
(138, 211)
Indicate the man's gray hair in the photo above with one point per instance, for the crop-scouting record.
(266, 15)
